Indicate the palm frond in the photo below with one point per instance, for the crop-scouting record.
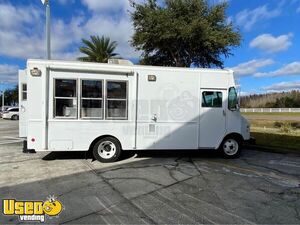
(98, 49)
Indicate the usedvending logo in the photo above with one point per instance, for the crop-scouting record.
(32, 211)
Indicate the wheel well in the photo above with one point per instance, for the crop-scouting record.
(233, 135)
(101, 137)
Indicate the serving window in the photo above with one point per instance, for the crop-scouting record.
(116, 100)
(96, 99)
(92, 99)
(65, 98)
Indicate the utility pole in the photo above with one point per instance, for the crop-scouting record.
(3, 92)
(2, 96)
(46, 3)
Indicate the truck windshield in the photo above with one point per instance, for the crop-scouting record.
(232, 99)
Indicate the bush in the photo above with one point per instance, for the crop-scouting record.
(295, 125)
(286, 128)
(278, 124)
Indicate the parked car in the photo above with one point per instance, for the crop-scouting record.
(4, 109)
(11, 113)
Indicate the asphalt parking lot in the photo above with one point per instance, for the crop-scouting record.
(154, 187)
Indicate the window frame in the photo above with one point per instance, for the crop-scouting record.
(116, 99)
(22, 91)
(84, 98)
(237, 101)
(66, 98)
(203, 100)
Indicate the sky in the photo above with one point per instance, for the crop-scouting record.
(268, 59)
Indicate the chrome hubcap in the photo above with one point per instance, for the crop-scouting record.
(106, 149)
(231, 147)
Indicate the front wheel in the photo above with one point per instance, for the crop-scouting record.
(107, 150)
(15, 117)
(231, 147)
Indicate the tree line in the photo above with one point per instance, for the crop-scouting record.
(10, 97)
(289, 99)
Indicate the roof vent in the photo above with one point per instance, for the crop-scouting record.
(120, 62)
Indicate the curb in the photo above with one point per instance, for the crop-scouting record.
(272, 149)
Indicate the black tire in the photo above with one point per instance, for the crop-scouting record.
(231, 147)
(107, 150)
(14, 117)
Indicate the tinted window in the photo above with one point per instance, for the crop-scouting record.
(116, 101)
(116, 89)
(212, 99)
(24, 87)
(24, 92)
(65, 108)
(65, 88)
(116, 109)
(91, 89)
(91, 99)
(65, 101)
(232, 99)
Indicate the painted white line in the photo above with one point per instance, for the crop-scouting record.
(222, 210)
(13, 138)
(284, 163)
(10, 142)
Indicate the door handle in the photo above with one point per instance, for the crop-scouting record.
(224, 113)
(22, 108)
(154, 118)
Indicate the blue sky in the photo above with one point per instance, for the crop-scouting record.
(267, 60)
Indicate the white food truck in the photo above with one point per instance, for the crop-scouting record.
(118, 106)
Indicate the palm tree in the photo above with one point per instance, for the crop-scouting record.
(98, 49)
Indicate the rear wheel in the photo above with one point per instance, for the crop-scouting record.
(231, 147)
(15, 117)
(107, 150)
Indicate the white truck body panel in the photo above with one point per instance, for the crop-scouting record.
(22, 103)
(161, 114)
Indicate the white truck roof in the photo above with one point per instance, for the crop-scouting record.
(63, 64)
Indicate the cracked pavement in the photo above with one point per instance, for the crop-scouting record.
(161, 187)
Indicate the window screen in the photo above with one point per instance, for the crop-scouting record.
(91, 99)
(116, 101)
(212, 99)
(65, 98)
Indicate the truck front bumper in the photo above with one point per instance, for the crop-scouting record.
(251, 141)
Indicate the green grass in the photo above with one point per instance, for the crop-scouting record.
(267, 134)
(277, 140)
(271, 114)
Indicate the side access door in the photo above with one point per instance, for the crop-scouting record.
(22, 103)
(212, 121)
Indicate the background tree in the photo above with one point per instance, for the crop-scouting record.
(10, 97)
(98, 49)
(183, 33)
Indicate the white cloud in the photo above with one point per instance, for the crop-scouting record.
(65, 2)
(289, 69)
(8, 73)
(248, 18)
(14, 17)
(251, 67)
(271, 44)
(283, 86)
(106, 6)
(28, 36)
